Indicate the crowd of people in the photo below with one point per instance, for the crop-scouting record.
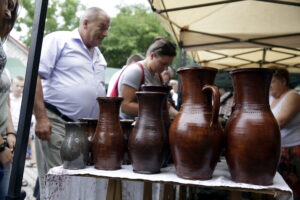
(72, 66)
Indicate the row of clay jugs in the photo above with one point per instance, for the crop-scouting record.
(195, 135)
(252, 133)
(147, 139)
(165, 114)
(75, 147)
(108, 141)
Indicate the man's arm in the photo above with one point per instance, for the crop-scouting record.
(43, 125)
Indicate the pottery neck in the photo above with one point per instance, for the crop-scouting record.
(150, 105)
(75, 129)
(193, 80)
(251, 86)
(109, 109)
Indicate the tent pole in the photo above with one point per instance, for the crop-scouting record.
(182, 62)
(14, 191)
(182, 57)
(263, 61)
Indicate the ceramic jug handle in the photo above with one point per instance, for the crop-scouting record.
(215, 102)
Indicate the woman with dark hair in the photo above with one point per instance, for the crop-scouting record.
(285, 105)
(159, 56)
(8, 15)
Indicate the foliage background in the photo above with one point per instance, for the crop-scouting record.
(131, 31)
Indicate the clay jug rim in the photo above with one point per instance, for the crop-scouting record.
(75, 123)
(88, 119)
(126, 120)
(185, 68)
(110, 98)
(156, 86)
(253, 69)
(149, 92)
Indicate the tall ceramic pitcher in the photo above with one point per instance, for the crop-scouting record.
(108, 141)
(252, 133)
(147, 139)
(166, 117)
(195, 134)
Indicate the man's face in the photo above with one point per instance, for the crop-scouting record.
(17, 87)
(96, 31)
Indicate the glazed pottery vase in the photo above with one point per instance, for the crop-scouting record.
(195, 134)
(252, 133)
(75, 147)
(147, 140)
(90, 128)
(127, 127)
(108, 141)
(166, 118)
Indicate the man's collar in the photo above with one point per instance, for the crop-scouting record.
(75, 34)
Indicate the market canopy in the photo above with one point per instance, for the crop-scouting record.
(235, 33)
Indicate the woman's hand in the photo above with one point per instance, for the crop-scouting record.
(6, 156)
(11, 140)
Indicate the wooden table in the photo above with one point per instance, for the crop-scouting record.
(90, 183)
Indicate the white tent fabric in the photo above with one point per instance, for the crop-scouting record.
(237, 33)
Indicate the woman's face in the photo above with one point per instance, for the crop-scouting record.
(277, 87)
(8, 8)
(160, 63)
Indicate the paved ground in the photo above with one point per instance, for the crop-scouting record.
(30, 175)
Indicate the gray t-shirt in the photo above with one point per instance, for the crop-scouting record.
(2, 58)
(4, 93)
(132, 76)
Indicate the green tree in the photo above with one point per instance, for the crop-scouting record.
(60, 16)
(132, 31)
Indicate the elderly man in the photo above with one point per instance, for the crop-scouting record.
(71, 77)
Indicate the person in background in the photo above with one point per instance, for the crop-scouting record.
(15, 108)
(226, 106)
(174, 92)
(71, 77)
(8, 16)
(132, 59)
(285, 105)
(159, 56)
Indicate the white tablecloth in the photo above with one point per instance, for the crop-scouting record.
(90, 183)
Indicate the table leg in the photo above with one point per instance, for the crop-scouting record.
(114, 190)
(168, 192)
(235, 195)
(182, 192)
(147, 191)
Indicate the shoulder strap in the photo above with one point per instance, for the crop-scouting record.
(143, 73)
(114, 91)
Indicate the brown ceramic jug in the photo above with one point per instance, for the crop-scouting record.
(252, 133)
(108, 141)
(166, 117)
(195, 134)
(74, 149)
(147, 140)
(127, 127)
(90, 128)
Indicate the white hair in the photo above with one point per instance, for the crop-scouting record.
(92, 14)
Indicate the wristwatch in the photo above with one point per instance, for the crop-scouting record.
(2, 147)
